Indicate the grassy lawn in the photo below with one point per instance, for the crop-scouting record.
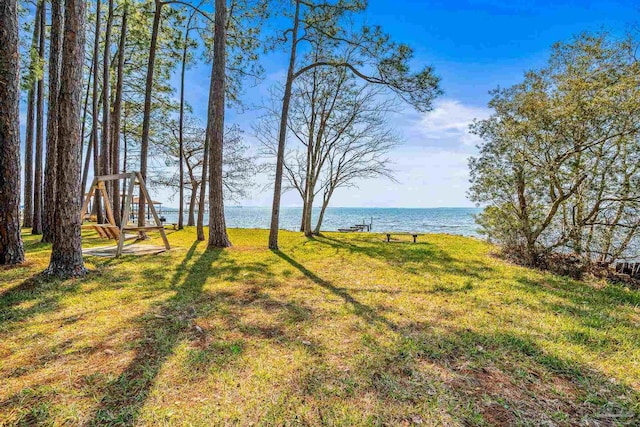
(339, 330)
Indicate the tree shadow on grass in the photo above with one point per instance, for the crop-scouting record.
(500, 378)
(595, 307)
(174, 320)
(362, 310)
(125, 396)
(508, 378)
(46, 293)
(415, 258)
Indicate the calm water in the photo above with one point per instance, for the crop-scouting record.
(435, 220)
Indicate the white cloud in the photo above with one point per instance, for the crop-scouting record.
(431, 166)
(447, 125)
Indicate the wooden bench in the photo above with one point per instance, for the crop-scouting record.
(404, 233)
(106, 231)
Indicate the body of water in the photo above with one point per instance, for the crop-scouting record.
(433, 220)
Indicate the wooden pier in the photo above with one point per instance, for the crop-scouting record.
(358, 228)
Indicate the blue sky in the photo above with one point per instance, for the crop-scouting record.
(474, 46)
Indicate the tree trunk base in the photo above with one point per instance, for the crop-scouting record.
(219, 244)
(66, 269)
(13, 256)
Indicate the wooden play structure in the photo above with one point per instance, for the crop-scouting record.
(111, 230)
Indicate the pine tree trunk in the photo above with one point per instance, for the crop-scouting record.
(217, 226)
(87, 164)
(277, 190)
(146, 119)
(28, 144)
(87, 160)
(181, 127)
(117, 113)
(37, 182)
(11, 248)
(97, 205)
(55, 45)
(105, 146)
(66, 255)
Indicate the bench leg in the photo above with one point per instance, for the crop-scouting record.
(414, 238)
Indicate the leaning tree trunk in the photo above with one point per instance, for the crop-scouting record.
(277, 190)
(323, 209)
(66, 254)
(217, 226)
(304, 211)
(37, 182)
(55, 45)
(117, 113)
(146, 118)
(192, 204)
(27, 220)
(11, 248)
(203, 187)
(97, 205)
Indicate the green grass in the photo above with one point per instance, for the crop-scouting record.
(337, 330)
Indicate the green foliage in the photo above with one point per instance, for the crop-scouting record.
(365, 51)
(244, 42)
(559, 162)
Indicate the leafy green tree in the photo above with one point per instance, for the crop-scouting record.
(558, 165)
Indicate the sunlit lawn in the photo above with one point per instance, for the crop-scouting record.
(339, 330)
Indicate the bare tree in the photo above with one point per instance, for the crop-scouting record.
(203, 188)
(11, 248)
(340, 136)
(240, 167)
(66, 255)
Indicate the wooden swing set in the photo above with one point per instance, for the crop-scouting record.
(111, 230)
